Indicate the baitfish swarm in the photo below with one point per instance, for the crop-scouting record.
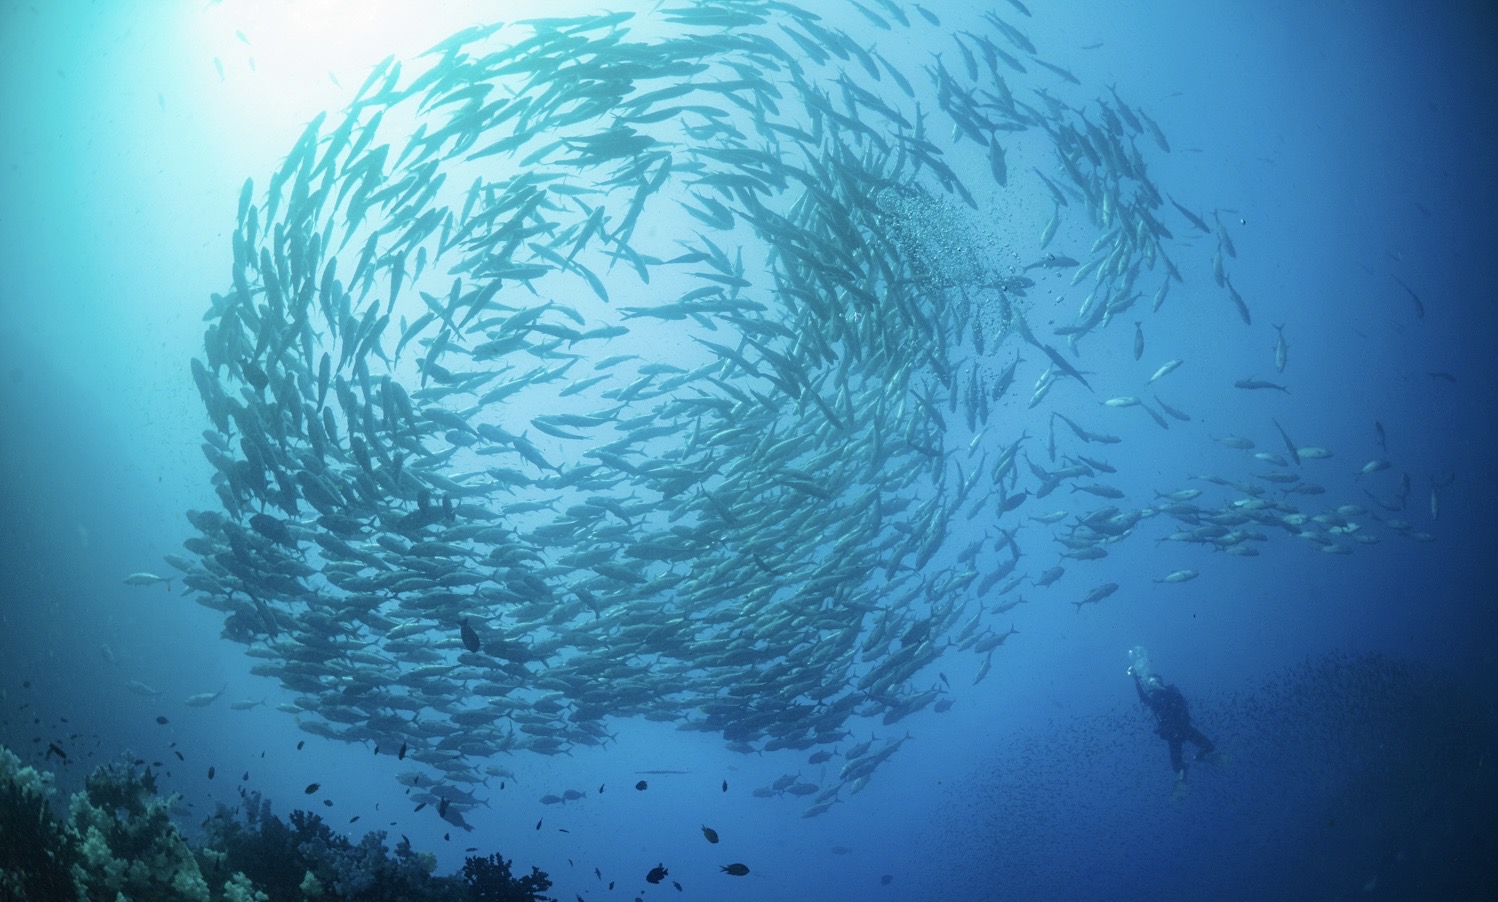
(642, 365)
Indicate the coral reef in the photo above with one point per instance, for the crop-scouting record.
(118, 841)
(36, 857)
(306, 859)
(127, 843)
(489, 880)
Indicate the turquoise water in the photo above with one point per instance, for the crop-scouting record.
(1338, 151)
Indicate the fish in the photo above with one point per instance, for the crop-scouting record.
(737, 870)
(1096, 595)
(140, 688)
(842, 400)
(1289, 444)
(1252, 384)
(148, 579)
(710, 834)
(1414, 298)
(997, 167)
(204, 699)
(656, 874)
(1178, 576)
(1165, 369)
(469, 636)
(1196, 221)
(1281, 348)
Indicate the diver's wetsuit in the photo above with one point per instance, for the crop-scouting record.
(1172, 721)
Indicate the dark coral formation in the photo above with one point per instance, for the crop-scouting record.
(119, 838)
(36, 857)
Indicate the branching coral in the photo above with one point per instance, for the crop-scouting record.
(119, 842)
(127, 843)
(489, 880)
(36, 856)
(305, 858)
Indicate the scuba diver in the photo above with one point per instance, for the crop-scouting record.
(1172, 719)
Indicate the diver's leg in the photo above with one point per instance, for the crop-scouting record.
(1176, 764)
(1201, 742)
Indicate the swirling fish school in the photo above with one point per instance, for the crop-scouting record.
(658, 404)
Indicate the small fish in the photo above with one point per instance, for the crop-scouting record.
(725, 785)
(657, 874)
(204, 699)
(148, 579)
(210, 772)
(737, 870)
(161, 720)
(710, 833)
(312, 787)
(1179, 576)
(1097, 595)
(641, 785)
(1166, 369)
(470, 637)
(1419, 306)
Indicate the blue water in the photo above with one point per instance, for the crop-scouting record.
(1348, 147)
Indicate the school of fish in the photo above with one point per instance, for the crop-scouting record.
(644, 365)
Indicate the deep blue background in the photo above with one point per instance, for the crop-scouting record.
(1345, 144)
